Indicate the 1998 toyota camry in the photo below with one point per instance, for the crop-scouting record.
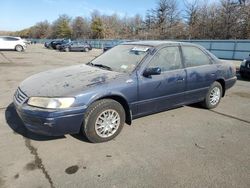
(131, 80)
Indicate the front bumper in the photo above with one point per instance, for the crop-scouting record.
(51, 122)
(24, 46)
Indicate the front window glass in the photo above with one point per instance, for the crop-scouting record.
(122, 58)
(167, 59)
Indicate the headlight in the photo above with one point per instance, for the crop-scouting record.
(51, 103)
(243, 63)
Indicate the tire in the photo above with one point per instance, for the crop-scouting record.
(86, 49)
(99, 131)
(19, 48)
(213, 96)
(67, 49)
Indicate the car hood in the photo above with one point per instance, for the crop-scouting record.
(67, 81)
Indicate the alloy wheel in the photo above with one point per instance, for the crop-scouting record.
(107, 123)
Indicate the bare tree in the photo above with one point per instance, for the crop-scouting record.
(228, 18)
(191, 16)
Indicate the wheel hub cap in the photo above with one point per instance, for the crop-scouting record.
(107, 123)
(215, 96)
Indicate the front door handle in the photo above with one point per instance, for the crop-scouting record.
(179, 80)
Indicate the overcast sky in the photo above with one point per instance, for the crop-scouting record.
(20, 14)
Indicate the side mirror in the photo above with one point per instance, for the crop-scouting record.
(152, 71)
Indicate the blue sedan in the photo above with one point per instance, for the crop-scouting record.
(131, 80)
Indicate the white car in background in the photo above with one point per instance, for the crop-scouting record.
(12, 43)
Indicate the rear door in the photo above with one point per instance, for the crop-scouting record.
(159, 92)
(201, 72)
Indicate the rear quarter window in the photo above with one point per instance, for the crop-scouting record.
(194, 56)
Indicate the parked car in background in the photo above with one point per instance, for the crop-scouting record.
(245, 68)
(108, 47)
(47, 45)
(75, 46)
(128, 81)
(56, 43)
(12, 43)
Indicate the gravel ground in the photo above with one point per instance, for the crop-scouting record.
(185, 147)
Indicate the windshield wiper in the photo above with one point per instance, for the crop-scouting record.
(101, 66)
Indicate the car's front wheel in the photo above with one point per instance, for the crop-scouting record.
(103, 120)
(213, 96)
(19, 48)
(86, 49)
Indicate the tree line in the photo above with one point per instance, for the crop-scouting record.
(196, 19)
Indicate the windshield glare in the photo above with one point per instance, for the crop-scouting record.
(122, 58)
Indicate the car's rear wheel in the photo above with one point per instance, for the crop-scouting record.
(104, 120)
(19, 48)
(67, 49)
(213, 96)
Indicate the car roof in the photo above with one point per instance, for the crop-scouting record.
(155, 43)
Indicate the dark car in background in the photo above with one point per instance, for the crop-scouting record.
(56, 43)
(245, 68)
(128, 81)
(75, 46)
(108, 47)
(47, 44)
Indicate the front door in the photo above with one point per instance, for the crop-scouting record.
(159, 92)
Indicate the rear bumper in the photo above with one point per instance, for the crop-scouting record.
(230, 82)
(51, 123)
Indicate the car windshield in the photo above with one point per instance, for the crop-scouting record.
(122, 58)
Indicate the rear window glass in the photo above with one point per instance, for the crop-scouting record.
(193, 56)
